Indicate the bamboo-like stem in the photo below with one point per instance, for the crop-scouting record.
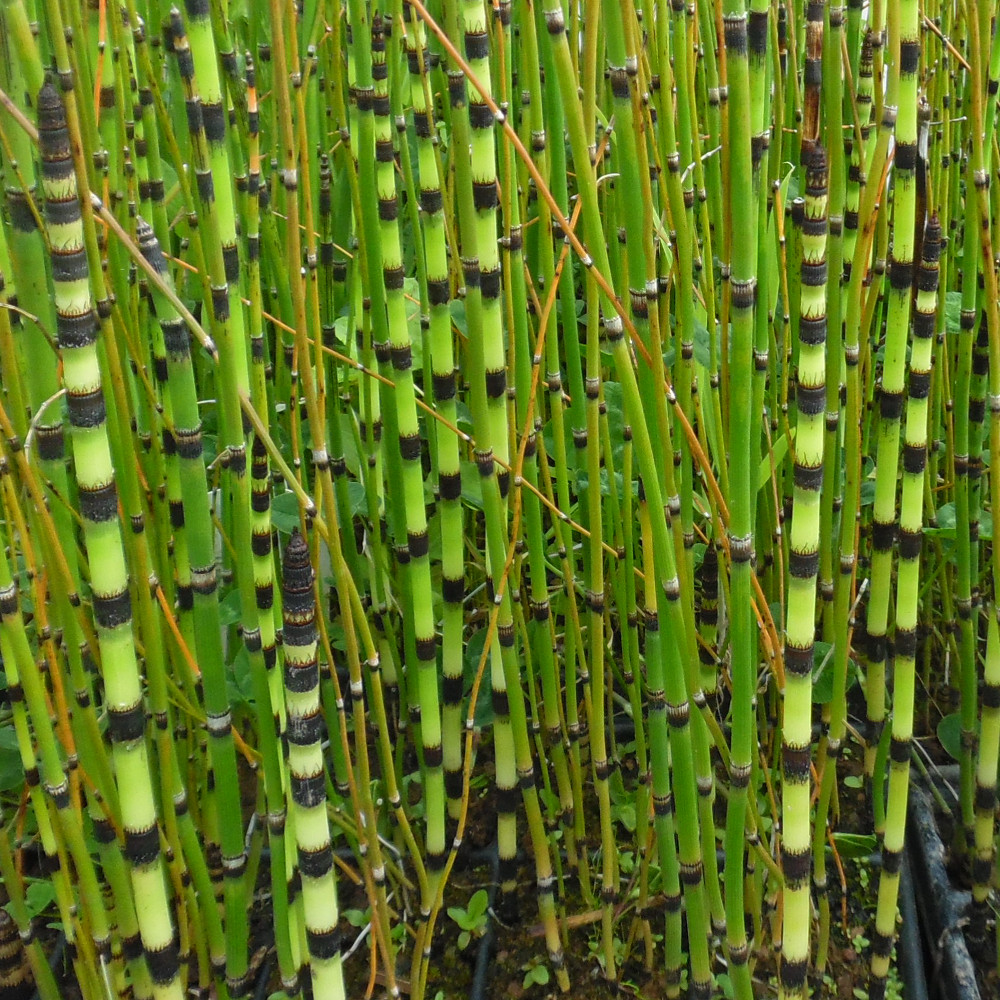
(832, 525)
(967, 568)
(52, 789)
(307, 777)
(476, 189)
(743, 444)
(803, 566)
(77, 328)
(41, 973)
(206, 126)
(292, 175)
(30, 292)
(907, 590)
(980, 177)
(380, 208)
(900, 112)
(986, 780)
(903, 68)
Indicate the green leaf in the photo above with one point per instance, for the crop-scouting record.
(478, 906)
(347, 442)
(822, 691)
(616, 421)
(412, 289)
(340, 327)
(855, 845)
(946, 523)
(463, 417)
(949, 734)
(457, 309)
(239, 683)
(358, 498)
(944, 518)
(583, 481)
(11, 770)
(536, 974)
(853, 781)
(625, 814)
(953, 312)
(40, 895)
(773, 461)
(484, 701)
(230, 608)
(472, 487)
(702, 353)
(548, 437)
(285, 512)
(986, 526)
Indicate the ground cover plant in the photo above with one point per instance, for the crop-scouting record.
(571, 425)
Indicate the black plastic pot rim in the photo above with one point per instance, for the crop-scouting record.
(941, 908)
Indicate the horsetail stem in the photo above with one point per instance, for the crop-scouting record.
(743, 444)
(206, 124)
(76, 325)
(803, 568)
(395, 346)
(907, 586)
(307, 776)
(444, 396)
(575, 346)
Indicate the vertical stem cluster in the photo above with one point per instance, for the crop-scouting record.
(586, 363)
(76, 326)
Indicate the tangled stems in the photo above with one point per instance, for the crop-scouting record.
(589, 367)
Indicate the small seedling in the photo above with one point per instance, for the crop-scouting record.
(472, 919)
(535, 971)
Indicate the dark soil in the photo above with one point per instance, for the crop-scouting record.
(520, 945)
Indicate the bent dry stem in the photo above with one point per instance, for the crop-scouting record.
(545, 420)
